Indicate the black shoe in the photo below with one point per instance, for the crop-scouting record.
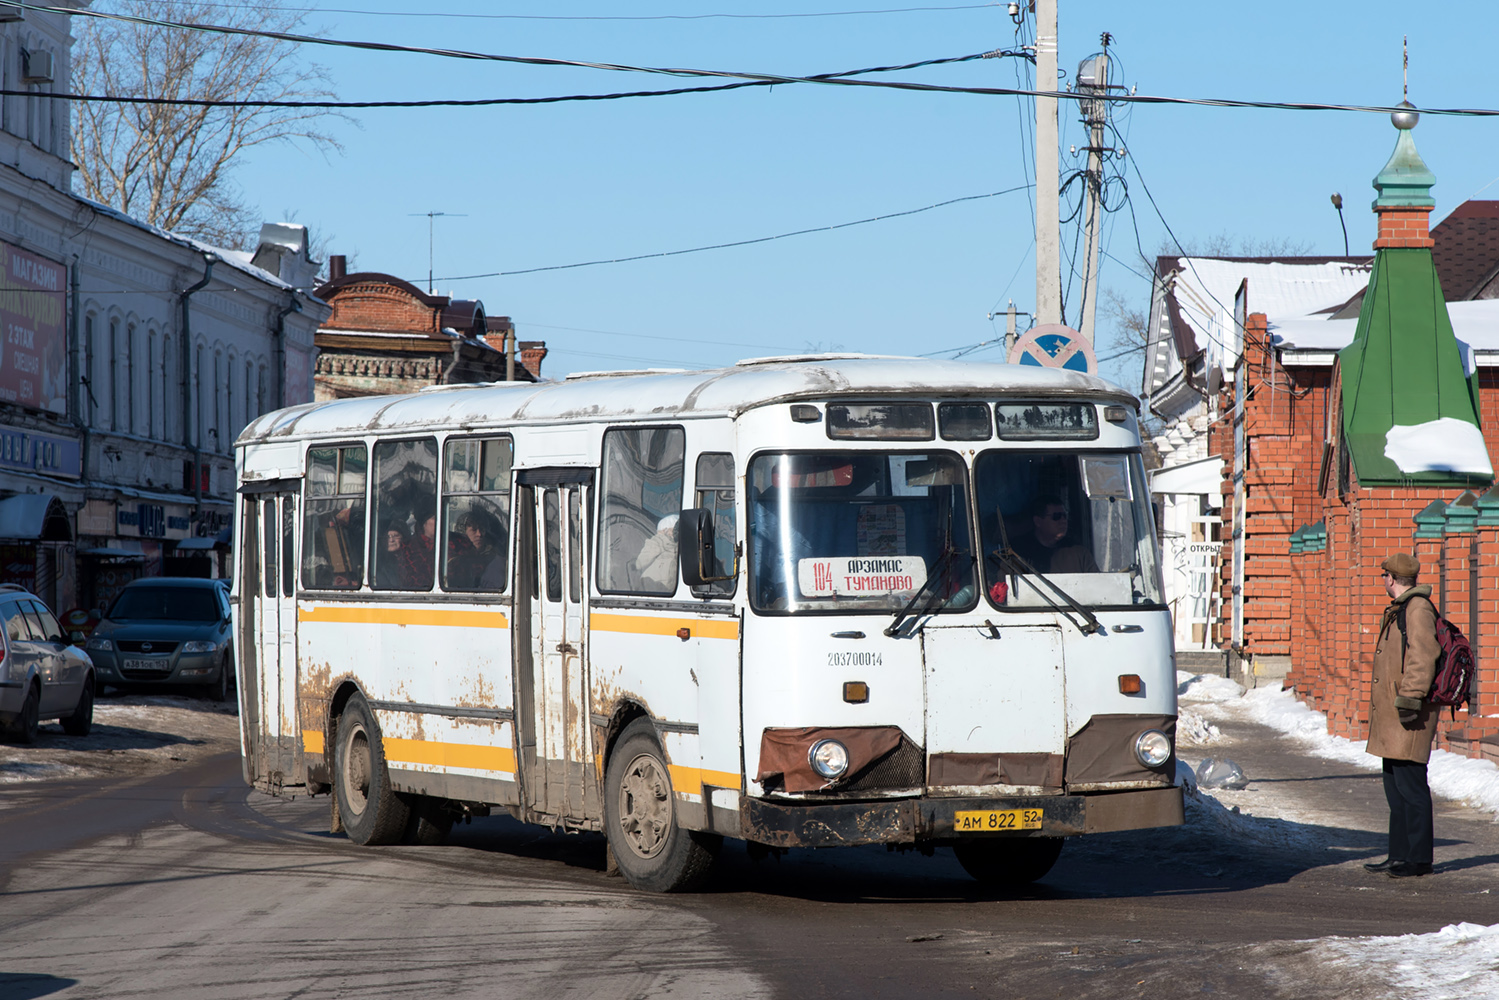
(1408, 869)
(1380, 866)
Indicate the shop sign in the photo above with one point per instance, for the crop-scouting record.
(31, 451)
(33, 314)
(151, 520)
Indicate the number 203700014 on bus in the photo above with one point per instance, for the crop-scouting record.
(996, 820)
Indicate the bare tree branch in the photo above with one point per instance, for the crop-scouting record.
(171, 166)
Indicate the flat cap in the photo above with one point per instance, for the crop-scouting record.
(1402, 564)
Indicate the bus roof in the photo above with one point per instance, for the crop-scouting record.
(663, 395)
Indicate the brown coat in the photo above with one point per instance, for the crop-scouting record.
(1403, 672)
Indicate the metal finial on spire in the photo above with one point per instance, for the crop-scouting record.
(1405, 68)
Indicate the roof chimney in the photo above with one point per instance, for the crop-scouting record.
(338, 266)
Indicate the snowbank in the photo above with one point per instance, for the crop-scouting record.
(1458, 961)
(1474, 782)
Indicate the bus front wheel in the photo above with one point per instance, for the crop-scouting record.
(653, 853)
(372, 813)
(1007, 862)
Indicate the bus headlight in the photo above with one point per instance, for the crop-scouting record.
(829, 758)
(1152, 748)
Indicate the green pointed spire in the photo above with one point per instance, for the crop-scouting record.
(1404, 372)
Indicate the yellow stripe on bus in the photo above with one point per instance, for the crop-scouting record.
(363, 615)
(648, 625)
(312, 741)
(692, 779)
(479, 758)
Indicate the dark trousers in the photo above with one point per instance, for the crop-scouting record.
(1409, 797)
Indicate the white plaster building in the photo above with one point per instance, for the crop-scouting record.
(130, 358)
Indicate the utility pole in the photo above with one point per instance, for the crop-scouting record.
(1010, 329)
(1048, 215)
(1093, 78)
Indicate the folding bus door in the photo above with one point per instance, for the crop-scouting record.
(556, 740)
(276, 626)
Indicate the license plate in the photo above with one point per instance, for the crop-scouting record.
(161, 665)
(996, 820)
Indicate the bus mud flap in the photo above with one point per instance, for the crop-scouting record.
(844, 824)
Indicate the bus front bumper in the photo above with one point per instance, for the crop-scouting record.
(919, 820)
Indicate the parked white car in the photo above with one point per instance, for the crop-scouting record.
(41, 675)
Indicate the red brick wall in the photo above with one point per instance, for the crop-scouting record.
(1323, 608)
(379, 307)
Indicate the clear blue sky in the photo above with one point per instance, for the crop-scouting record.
(557, 184)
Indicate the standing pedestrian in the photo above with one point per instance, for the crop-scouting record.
(1401, 722)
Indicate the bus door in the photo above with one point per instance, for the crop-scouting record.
(556, 739)
(997, 689)
(276, 628)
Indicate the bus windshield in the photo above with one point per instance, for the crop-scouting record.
(1080, 519)
(856, 531)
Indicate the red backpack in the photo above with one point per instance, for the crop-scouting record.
(1453, 682)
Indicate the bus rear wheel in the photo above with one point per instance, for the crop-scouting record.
(1008, 862)
(371, 811)
(653, 853)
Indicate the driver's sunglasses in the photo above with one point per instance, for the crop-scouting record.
(1056, 515)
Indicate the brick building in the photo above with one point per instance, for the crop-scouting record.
(1337, 457)
(385, 335)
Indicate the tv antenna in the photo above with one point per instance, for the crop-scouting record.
(430, 217)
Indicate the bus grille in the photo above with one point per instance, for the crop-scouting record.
(903, 767)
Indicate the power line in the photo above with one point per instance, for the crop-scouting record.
(769, 78)
(737, 243)
(602, 17)
(470, 102)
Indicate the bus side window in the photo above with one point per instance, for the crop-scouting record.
(715, 492)
(269, 506)
(476, 514)
(333, 519)
(641, 491)
(404, 521)
(552, 550)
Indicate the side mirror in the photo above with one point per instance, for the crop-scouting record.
(695, 545)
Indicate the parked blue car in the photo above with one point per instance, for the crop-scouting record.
(167, 630)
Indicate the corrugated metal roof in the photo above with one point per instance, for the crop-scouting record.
(663, 395)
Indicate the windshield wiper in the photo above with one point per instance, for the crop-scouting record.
(941, 573)
(1011, 561)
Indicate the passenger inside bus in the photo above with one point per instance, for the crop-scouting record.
(657, 561)
(480, 565)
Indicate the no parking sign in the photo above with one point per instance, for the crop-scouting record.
(1053, 345)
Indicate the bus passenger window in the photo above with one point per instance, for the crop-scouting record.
(270, 548)
(332, 520)
(715, 492)
(476, 514)
(405, 515)
(641, 490)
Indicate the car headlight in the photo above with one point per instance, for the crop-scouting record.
(828, 758)
(199, 646)
(1152, 748)
(100, 643)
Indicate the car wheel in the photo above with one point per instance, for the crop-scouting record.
(372, 813)
(1008, 861)
(653, 853)
(218, 688)
(29, 720)
(81, 722)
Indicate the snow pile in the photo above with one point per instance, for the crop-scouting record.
(1193, 730)
(1475, 782)
(1458, 961)
(19, 770)
(1206, 815)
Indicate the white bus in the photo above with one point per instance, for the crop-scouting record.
(803, 602)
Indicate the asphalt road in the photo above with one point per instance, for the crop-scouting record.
(188, 884)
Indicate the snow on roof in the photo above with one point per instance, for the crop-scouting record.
(1475, 323)
(237, 259)
(666, 394)
(1206, 286)
(1441, 445)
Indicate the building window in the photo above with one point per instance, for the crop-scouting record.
(114, 374)
(86, 404)
(150, 392)
(166, 391)
(129, 423)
